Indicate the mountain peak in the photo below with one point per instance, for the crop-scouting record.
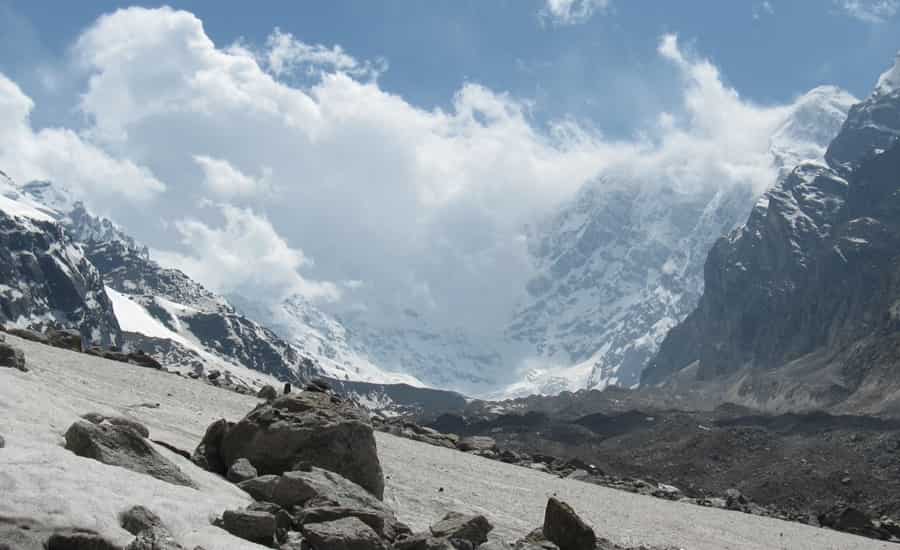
(889, 80)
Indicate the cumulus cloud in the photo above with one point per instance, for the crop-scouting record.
(285, 54)
(406, 207)
(869, 11)
(246, 255)
(63, 155)
(225, 180)
(572, 12)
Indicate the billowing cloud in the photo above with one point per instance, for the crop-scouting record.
(225, 180)
(63, 155)
(246, 255)
(285, 55)
(423, 209)
(869, 11)
(572, 12)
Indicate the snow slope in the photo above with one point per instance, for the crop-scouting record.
(85, 493)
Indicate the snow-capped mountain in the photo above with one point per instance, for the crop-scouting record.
(162, 311)
(622, 263)
(409, 352)
(46, 281)
(800, 307)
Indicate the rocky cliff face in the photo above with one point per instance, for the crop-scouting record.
(45, 279)
(622, 263)
(802, 304)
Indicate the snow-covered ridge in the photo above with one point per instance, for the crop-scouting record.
(889, 81)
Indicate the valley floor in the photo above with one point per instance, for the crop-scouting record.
(42, 481)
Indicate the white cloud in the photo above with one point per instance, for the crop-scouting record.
(60, 154)
(408, 207)
(572, 12)
(762, 9)
(286, 55)
(225, 180)
(869, 11)
(245, 254)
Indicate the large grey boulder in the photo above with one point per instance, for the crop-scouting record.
(122, 446)
(267, 392)
(343, 534)
(121, 421)
(306, 428)
(12, 357)
(563, 527)
(69, 339)
(323, 496)
(473, 528)
(208, 454)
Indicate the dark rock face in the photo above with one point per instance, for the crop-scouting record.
(563, 527)
(343, 534)
(208, 454)
(49, 283)
(805, 297)
(12, 357)
(122, 446)
(69, 339)
(267, 392)
(474, 528)
(79, 540)
(300, 428)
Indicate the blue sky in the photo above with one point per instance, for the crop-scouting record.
(603, 69)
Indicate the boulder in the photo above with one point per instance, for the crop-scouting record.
(30, 335)
(12, 357)
(241, 470)
(851, 520)
(283, 520)
(2, 442)
(325, 496)
(137, 519)
(69, 339)
(307, 427)
(477, 443)
(123, 447)
(267, 392)
(473, 528)
(563, 527)
(254, 525)
(343, 534)
(208, 454)
(121, 421)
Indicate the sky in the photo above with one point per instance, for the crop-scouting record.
(380, 156)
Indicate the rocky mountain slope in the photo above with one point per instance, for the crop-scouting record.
(801, 304)
(46, 281)
(622, 263)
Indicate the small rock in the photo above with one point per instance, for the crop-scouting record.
(267, 392)
(255, 526)
(343, 534)
(137, 519)
(477, 443)
(473, 528)
(241, 470)
(12, 357)
(2, 442)
(69, 339)
(563, 527)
